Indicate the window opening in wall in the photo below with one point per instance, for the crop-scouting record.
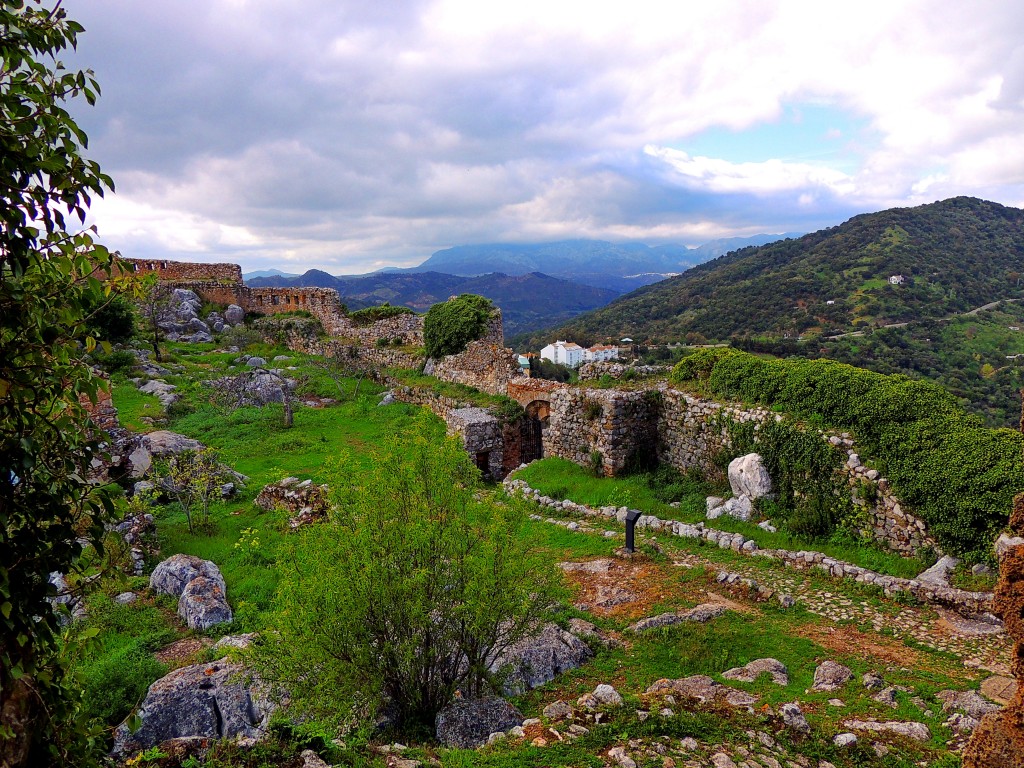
(273, 299)
(163, 265)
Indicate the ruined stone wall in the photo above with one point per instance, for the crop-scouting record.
(596, 370)
(408, 327)
(999, 741)
(185, 271)
(322, 303)
(692, 431)
(102, 412)
(618, 424)
(485, 365)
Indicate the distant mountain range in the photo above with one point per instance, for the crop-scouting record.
(621, 267)
(536, 285)
(895, 286)
(266, 273)
(527, 302)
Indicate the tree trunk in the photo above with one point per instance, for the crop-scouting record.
(17, 712)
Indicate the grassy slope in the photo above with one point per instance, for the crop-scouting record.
(253, 441)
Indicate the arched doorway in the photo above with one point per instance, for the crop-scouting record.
(538, 416)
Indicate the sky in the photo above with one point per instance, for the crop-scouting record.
(348, 136)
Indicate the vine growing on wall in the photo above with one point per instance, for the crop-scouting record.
(954, 472)
(811, 497)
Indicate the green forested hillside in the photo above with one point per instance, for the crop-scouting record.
(955, 254)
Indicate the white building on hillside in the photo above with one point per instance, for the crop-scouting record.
(600, 353)
(565, 353)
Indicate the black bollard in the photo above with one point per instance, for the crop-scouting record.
(632, 516)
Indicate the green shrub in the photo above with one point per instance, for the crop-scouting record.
(698, 365)
(115, 362)
(451, 325)
(408, 591)
(950, 469)
(596, 463)
(370, 315)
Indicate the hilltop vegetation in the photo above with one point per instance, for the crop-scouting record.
(956, 254)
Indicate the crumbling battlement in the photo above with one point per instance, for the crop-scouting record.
(223, 284)
(178, 271)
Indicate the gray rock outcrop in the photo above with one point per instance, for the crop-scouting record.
(538, 659)
(910, 730)
(234, 314)
(199, 586)
(830, 676)
(699, 614)
(171, 576)
(703, 689)
(214, 701)
(467, 723)
(750, 672)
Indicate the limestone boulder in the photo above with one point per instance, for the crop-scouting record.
(739, 507)
(166, 443)
(538, 659)
(749, 673)
(171, 576)
(234, 314)
(218, 700)
(830, 676)
(748, 477)
(467, 723)
(203, 604)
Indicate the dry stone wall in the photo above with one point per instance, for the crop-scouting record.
(485, 365)
(619, 425)
(178, 271)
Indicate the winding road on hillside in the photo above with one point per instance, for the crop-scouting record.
(970, 312)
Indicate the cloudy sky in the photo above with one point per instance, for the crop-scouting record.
(350, 135)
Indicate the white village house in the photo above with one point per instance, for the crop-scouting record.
(572, 355)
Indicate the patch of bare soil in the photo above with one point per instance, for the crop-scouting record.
(183, 652)
(627, 588)
(849, 640)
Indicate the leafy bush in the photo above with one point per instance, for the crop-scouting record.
(370, 315)
(415, 586)
(950, 469)
(698, 366)
(451, 325)
(119, 360)
(113, 320)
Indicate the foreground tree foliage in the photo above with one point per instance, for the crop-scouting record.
(408, 593)
(50, 283)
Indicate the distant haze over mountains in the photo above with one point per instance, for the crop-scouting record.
(621, 267)
(535, 284)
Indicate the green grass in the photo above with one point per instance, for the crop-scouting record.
(560, 478)
(132, 405)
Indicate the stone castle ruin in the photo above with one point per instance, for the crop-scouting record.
(609, 429)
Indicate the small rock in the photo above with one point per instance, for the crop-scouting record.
(607, 696)
(125, 598)
(559, 710)
(911, 730)
(619, 757)
(754, 669)
(787, 601)
(873, 681)
(311, 759)
(845, 740)
(794, 718)
(722, 760)
(830, 676)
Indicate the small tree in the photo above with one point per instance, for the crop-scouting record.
(195, 478)
(412, 591)
(152, 306)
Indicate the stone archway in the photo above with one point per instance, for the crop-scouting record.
(538, 416)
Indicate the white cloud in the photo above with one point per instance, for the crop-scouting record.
(346, 134)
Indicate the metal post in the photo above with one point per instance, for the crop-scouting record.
(632, 516)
